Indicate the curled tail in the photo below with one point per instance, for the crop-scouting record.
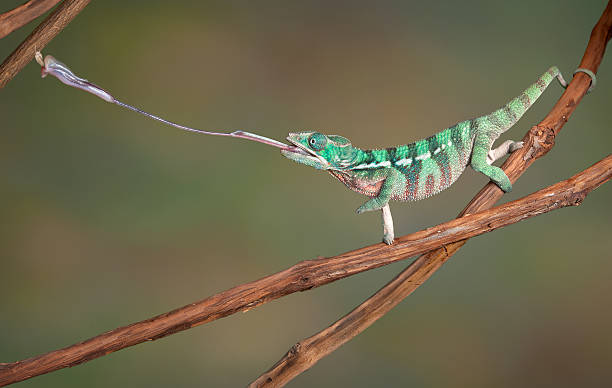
(486, 129)
(505, 117)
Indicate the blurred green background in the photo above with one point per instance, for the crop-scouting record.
(109, 218)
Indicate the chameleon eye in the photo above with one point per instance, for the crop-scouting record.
(317, 141)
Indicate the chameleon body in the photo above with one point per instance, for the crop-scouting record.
(421, 169)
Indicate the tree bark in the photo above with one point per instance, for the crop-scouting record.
(22, 15)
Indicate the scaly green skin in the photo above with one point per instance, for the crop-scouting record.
(423, 168)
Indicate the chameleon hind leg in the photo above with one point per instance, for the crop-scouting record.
(482, 147)
(504, 149)
(388, 234)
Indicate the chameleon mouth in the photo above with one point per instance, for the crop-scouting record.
(296, 150)
(300, 154)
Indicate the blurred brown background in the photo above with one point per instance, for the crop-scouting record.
(109, 218)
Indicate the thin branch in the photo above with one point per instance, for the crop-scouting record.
(39, 38)
(540, 140)
(314, 273)
(22, 15)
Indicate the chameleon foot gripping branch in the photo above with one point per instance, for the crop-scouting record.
(406, 173)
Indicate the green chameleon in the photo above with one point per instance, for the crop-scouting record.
(406, 173)
(421, 169)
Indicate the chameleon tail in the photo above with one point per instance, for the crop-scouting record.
(505, 117)
(486, 129)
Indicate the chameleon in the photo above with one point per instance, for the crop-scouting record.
(405, 173)
(425, 167)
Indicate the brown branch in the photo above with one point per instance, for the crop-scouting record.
(310, 350)
(313, 273)
(22, 15)
(539, 140)
(39, 38)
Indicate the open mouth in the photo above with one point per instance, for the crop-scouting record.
(303, 155)
(296, 150)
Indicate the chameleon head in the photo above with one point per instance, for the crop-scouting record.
(323, 152)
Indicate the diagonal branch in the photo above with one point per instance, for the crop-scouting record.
(313, 273)
(307, 352)
(22, 15)
(539, 140)
(39, 38)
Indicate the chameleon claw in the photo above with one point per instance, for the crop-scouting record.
(39, 58)
(506, 148)
(362, 209)
(388, 239)
(366, 207)
(516, 145)
(388, 233)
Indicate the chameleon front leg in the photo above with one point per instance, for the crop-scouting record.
(388, 234)
(393, 183)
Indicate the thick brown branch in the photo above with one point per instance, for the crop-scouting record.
(313, 273)
(39, 38)
(22, 15)
(540, 139)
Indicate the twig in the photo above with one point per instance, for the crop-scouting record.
(39, 38)
(22, 15)
(539, 140)
(313, 273)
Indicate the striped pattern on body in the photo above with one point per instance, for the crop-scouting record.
(429, 165)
